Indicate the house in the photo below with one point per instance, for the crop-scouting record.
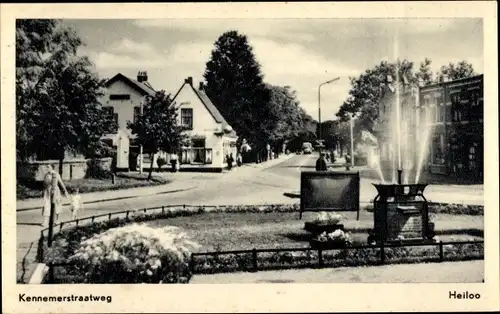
(211, 137)
(122, 102)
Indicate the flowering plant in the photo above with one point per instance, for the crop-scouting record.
(136, 253)
(328, 218)
(336, 236)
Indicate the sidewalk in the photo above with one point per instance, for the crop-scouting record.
(95, 197)
(447, 272)
(181, 182)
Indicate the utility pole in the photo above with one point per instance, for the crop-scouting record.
(319, 111)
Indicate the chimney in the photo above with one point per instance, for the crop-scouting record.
(189, 81)
(202, 86)
(142, 76)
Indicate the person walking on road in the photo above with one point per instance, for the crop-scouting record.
(239, 159)
(52, 182)
(321, 163)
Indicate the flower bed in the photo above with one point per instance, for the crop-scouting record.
(130, 254)
(324, 222)
(69, 240)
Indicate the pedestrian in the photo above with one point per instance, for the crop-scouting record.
(239, 159)
(52, 194)
(321, 163)
(231, 160)
(76, 204)
(347, 162)
(173, 161)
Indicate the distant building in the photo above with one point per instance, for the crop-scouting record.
(442, 121)
(454, 110)
(211, 137)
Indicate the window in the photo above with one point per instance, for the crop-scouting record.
(111, 119)
(441, 113)
(208, 156)
(137, 113)
(198, 151)
(438, 150)
(187, 117)
(119, 97)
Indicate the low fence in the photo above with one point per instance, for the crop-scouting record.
(316, 257)
(259, 259)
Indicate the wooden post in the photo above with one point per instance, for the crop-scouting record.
(382, 253)
(254, 259)
(320, 258)
(441, 251)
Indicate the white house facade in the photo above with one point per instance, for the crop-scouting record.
(211, 138)
(122, 102)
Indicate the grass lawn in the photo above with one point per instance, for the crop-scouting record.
(123, 181)
(241, 231)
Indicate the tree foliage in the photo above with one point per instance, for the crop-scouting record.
(368, 89)
(456, 71)
(235, 84)
(157, 128)
(57, 92)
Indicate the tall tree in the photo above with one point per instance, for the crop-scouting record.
(285, 105)
(235, 84)
(57, 92)
(456, 71)
(424, 73)
(157, 129)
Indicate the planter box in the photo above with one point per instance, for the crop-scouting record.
(316, 228)
(316, 244)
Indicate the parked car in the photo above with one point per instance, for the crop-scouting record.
(307, 148)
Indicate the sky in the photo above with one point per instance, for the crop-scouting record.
(301, 53)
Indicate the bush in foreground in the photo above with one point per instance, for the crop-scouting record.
(135, 253)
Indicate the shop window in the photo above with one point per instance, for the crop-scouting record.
(208, 156)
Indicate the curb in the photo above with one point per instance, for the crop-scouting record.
(112, 199)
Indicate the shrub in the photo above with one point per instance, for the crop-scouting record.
(135, 254)
(95, 171)
(161, 162)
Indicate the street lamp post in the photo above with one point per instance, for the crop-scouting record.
(319, 109)
(140, 147)
(351, 125)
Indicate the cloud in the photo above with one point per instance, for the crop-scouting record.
(127, 46)
(279, 28)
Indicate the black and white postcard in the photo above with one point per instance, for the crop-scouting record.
(210, 157)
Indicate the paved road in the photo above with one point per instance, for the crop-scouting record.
(255, 186)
